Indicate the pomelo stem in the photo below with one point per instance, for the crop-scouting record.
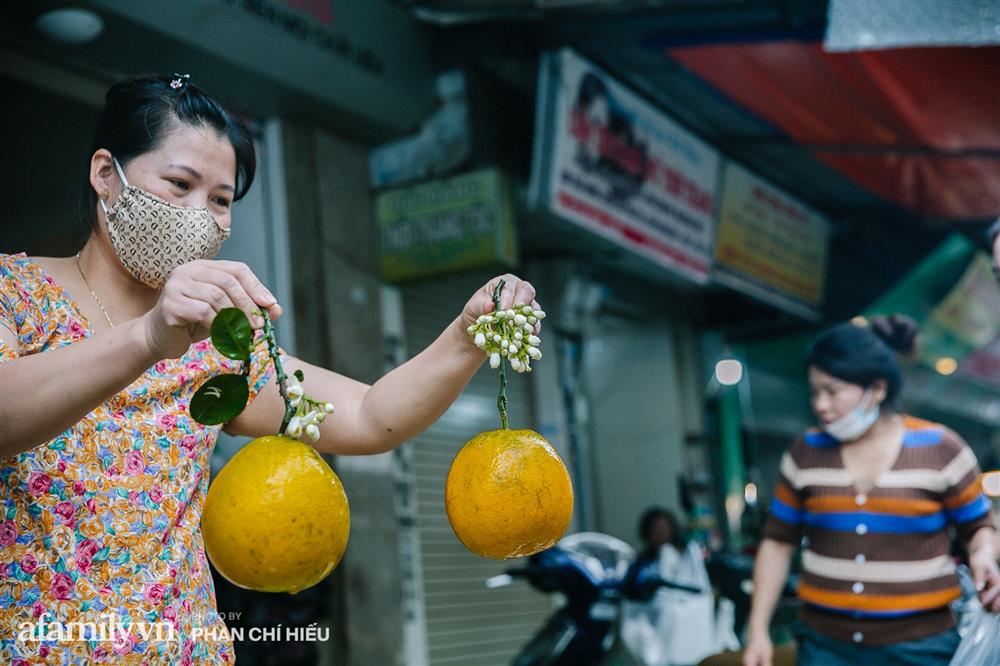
(272, 350)
(502, 398)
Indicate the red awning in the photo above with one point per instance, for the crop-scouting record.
(919, 127)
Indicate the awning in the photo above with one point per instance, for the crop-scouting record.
(919, 126)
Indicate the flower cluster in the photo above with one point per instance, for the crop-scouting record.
(509, 334)
(309, 413)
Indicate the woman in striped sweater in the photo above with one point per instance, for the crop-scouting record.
(870, 497)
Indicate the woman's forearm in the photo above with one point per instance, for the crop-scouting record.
(407, 400)
(769, 574)
(42, 395)
(984, 537)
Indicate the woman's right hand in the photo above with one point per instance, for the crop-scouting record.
(759, 650)
(192, 296)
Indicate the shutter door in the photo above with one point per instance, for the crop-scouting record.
(466, 623)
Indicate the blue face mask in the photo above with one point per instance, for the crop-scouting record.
(855, 423)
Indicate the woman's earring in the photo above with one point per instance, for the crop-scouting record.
(104, 195)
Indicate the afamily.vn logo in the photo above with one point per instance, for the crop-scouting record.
(109, 631)
(112, 630)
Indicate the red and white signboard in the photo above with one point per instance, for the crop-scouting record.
(610, 162)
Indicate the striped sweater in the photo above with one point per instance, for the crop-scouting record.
(876, 565)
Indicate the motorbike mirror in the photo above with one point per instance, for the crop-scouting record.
(503, 580)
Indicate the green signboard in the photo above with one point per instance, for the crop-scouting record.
(447, 225)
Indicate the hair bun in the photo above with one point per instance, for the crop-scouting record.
(898, 331)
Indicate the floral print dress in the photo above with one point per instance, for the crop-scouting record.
(101, 525)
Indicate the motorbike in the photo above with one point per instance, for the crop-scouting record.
(732, 575)
(594, 573)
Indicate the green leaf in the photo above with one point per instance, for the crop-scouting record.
(299, 375)
(232, 334)
(220, 399)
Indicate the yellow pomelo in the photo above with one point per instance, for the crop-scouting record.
(508, 494)
(276, 517)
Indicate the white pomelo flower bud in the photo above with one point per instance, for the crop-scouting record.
(312, 432)
(534, 340)
(480, 340)
(294, 427)
(518, 336)
(540, 314)
(328, 408)
(532, 320)
(534, 353)
(494, 360)
(520, 320)
(295, 391)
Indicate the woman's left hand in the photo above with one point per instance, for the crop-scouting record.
(982, 563)
(514, 291)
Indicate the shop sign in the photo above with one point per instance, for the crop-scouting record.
(769, 245)
(462, 222)
(609, 161)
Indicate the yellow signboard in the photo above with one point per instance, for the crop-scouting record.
(769, 245)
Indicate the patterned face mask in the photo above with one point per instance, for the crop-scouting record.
(152, 237)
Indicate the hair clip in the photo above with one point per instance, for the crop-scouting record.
(179, 81)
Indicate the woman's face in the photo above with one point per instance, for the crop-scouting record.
(193, 167)
(660, 532)
(832, 398)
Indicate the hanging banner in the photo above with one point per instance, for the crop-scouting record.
(983, 365)
(769, 245)
(446, 225)
(609, 161)
(966, 320)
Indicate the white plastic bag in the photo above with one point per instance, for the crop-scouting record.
(725, 639)
(675, 627)
(980, 644)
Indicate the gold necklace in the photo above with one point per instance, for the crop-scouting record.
(99, 304)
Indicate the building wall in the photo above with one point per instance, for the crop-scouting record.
(640, 408)
(336, 292)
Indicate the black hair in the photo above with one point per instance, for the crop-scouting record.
(990, 236)
(591, 87)
(138, 114)
(654, 513)
(861, 353)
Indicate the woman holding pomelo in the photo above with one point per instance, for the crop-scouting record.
(101, 353)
